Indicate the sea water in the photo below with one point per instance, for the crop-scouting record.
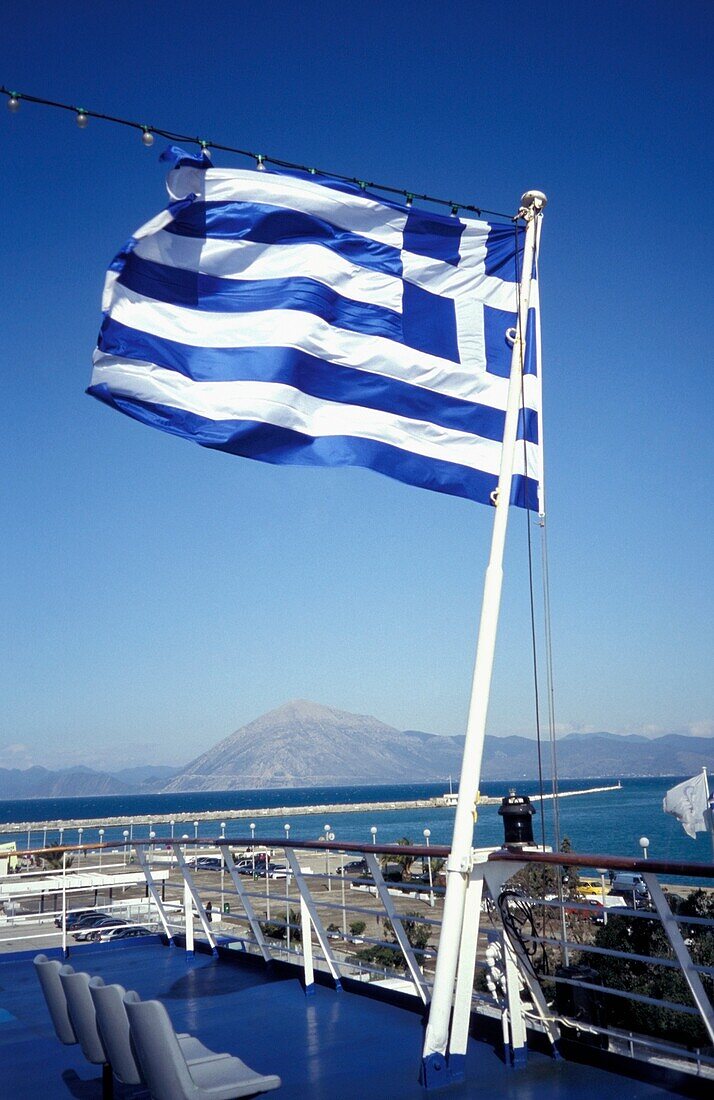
(608, 822)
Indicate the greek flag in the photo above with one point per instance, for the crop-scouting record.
(294, 321)
(689, 803)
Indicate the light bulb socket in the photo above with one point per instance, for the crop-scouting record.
(260, 162)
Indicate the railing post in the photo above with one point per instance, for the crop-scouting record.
(188, 916)
(671, 927)
(247, 905)
(306, 931)
(401, 936)
(151, 888)
(306, 899)
(64, 904)
(193, 893)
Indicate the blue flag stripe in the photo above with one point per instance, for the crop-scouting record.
(427, 322)
(251, 221)
(293, 367)
(282, 446)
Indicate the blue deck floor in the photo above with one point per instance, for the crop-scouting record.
(330, 1046)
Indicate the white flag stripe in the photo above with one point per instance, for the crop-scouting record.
(284, 406)
(248, 260)
(346, 210)
(310, 334)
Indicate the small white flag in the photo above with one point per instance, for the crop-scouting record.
(688, 803)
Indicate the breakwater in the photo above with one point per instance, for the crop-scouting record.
(248, 814)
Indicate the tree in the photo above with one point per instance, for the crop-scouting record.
(640, 936)
(357, 927)
(403, 862)
(53, 861)
(389, 954)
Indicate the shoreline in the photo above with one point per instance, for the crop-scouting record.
(271, 811)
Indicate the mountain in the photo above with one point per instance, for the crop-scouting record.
(40, 782)
(303, 744)
(145, 776)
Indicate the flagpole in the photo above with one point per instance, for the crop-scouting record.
(710, 810)
(434, 1065)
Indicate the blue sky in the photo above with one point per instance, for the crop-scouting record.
(156, 596)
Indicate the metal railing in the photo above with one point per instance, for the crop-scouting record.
(545, 952)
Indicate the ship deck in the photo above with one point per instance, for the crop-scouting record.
(327, 1045)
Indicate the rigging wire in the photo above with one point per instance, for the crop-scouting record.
(14, 99)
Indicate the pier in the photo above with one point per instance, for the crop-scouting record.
(444, 802)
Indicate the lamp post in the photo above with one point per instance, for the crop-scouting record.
(223, 830)
(373, 831)
(172, 823)
(152, 837)
(44, 837)
(184, 837)
(28, 839)
(131, 832)
(125, 834)
(195, 830)
(61, 832)
(602, 871)
(80, 830)
(287, 887)
(252, 843)
(427, 834)
(101, 841)
(644, 845)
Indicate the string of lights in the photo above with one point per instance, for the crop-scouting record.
(150, 133)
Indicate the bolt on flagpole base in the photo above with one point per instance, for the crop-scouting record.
(438, 1072)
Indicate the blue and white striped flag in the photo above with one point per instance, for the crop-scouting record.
(292, 321)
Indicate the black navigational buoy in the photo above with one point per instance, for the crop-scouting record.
(517, 813)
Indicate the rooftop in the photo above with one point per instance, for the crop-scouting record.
(344, 1044)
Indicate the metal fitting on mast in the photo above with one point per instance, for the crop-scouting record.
(532, 203)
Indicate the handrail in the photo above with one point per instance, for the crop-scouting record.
(615, 863)
(438, 851)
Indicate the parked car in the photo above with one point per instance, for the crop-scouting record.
(86, 934)
(74, 916)
(354, 867)
(630, 885)
(124, 932)
(88, 920)
(207, 863)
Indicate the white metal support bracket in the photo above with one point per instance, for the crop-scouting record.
(402, 940)
(306, 900)
(153, 890)
(495, 877)
(671, 927)
(247, 904)
(461, 1018)
(191, 887)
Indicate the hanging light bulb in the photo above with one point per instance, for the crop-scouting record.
(410, 198)
(147, 137)
(82, 118)
(13, 103)
(454, 211)
(259, 159)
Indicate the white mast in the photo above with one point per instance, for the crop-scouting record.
(459, 862)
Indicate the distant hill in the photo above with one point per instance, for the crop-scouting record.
(304, 744)
(40, 782)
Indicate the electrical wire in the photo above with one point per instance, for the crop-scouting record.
(262, 159)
